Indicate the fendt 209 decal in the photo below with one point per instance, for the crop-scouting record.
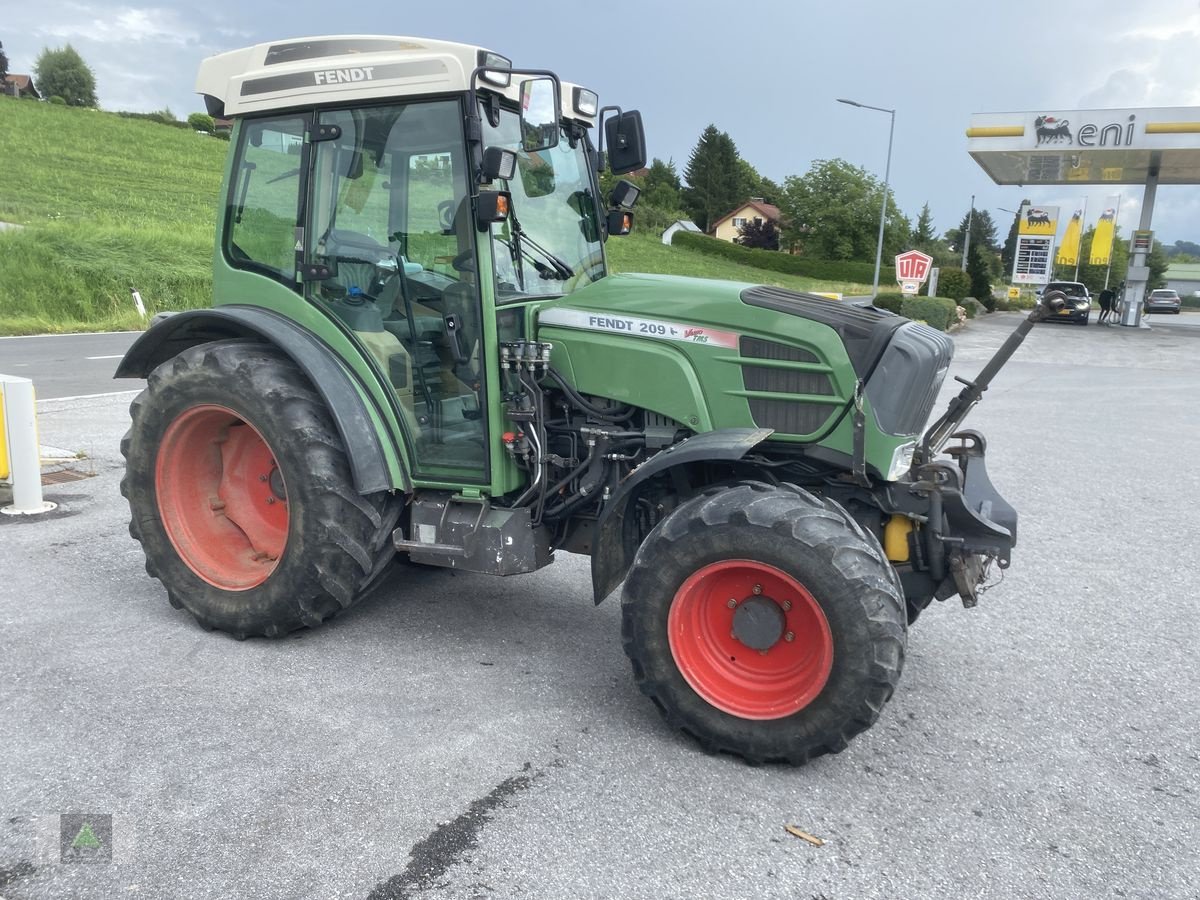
(652, 328)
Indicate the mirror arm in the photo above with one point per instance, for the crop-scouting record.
(600, 163)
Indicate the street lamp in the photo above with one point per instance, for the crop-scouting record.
(887, 171)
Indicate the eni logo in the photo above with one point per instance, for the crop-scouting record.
(344, 76)
(1053, 130)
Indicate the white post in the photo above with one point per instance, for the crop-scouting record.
(24, 460)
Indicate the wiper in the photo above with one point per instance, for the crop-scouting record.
(557, 270)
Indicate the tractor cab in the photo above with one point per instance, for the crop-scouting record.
(408, 190)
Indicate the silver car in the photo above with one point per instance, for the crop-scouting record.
(1163, 301)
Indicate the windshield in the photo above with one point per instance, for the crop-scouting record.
(550, 243)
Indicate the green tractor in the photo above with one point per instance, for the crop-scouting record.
(417, 355)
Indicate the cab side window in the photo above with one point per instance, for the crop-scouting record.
(264, 197)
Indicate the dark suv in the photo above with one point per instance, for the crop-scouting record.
(1079, 302)
(1163, 301)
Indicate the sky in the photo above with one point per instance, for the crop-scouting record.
(769, 73)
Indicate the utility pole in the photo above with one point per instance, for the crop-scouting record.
(967, 240)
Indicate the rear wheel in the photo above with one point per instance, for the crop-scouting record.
(764, 622)
(241, 493)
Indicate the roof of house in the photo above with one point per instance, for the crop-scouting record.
(1183, 272)
(22, 83)
(769, 212)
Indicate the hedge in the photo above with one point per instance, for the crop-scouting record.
(936, 312)
(954, 283)
(775, 261)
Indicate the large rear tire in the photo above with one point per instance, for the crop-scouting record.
(241, 493)
(764, 622)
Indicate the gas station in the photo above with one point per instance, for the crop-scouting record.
(1108, 147)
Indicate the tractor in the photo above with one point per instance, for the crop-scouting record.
(417, 355)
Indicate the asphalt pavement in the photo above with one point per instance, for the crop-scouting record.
(458, 736)
(68, 365)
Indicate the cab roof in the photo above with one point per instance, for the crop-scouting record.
(332, 69)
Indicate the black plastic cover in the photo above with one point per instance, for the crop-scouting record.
(906, 381)
(865, 331)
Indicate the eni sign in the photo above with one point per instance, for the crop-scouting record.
(1088, 146)
(1055, 130)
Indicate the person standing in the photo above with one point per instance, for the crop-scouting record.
(1107, 297)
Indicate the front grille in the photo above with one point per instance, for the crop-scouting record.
(789, 416)
(785, 415)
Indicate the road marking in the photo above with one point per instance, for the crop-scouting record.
(90, 396)
(19, 337)
(114, 356)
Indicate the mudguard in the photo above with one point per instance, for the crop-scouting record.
(332, 380)
(611, 558)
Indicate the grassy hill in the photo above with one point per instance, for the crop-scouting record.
(113, 203)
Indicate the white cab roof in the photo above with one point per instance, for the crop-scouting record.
(315, 71)
(334, 69)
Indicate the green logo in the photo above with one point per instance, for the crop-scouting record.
(86, 838)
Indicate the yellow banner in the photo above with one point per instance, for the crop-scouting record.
(1102, 240)
(1041, 221)
(1068, 250)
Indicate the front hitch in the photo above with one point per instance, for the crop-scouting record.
(972, 392)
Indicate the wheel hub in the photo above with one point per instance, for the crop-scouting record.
(759, 623)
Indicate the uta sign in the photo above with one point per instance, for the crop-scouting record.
(912, 268)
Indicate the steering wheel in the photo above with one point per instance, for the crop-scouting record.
(446, 215)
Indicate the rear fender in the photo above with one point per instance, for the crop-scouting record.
(335, 384)
(611, 556)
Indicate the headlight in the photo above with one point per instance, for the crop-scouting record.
(902, 458)
(1083, 304)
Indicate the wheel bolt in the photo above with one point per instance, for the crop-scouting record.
(732, 603)
(270, 501)
(758, 589)
(789, 637)
(762, 652)
(787, 605)
(262, 477)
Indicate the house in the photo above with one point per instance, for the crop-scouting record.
(1184, 278)
(677, 226)
(19, 86)
(753, 210)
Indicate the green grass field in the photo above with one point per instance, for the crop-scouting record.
(112, 203)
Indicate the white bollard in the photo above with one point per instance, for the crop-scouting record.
(20, 447)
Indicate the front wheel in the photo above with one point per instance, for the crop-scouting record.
(764, 622)
(241, 493)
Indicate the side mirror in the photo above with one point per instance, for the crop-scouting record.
(539, 114)
(626, 142)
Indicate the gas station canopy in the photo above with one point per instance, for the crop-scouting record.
(1090, 146)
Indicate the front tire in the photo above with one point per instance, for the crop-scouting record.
(764, 622)
(241, 493)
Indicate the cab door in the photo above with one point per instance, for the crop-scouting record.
(394, 254)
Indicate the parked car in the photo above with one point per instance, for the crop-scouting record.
(1079, 302)
(1163, 301)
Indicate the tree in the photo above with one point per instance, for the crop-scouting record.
(714, 177)
(662, 185)
(832, 212)
(63, 73)
(1157, 261)
(924, 236)
(977, 271)
(760, 234)
(3, 64)
(1008, 255)
(1183, 248)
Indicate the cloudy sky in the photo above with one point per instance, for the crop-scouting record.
(768, 72)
